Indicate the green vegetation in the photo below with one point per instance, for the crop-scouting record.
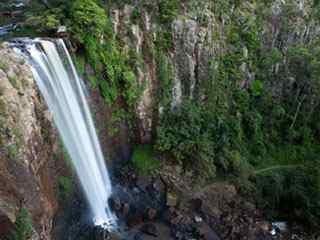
(184, 135)
(4, 66)
(254, 120)
(80, 62)
(292, 190)
(47, 21)
(262, 133)
(168, 10)
(136, 15)
(88, 20)
(14, 82)
(23, 226)
(144, 159)
(65, 187)
(114, 77)
(165, 79)
(12, 151)
(66, 156)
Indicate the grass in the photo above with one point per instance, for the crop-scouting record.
(144, 160)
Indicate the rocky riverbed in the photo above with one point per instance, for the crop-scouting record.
(165, 206)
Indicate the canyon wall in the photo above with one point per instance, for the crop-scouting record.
(174, 62)
(197, 36)
(30, 156)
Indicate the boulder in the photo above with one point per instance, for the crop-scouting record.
(115, 203)
(151, 214)
(125, 209)
(138, 236)
(150, 229)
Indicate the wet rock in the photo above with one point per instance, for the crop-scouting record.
(156, 188)
(264, 226)
(62, 32)
(184, 231)
(196, 204)
(113, 236)
(207, 233)
(115, 203)
(132, 179)
(138, 236)
(135, 220)
(172, 216)
(100, 233)
(150, 229)
(151, 214)
(125, 209)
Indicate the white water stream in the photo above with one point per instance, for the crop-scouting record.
(62, 90)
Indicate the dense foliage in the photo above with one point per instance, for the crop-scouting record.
(185, 135)
(114, 76)
(256, 122)
(263, 133)
(23, 226)
(88, 20)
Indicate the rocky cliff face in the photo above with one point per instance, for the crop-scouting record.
(186, 63)
(197, 36)
(29, 149)
(173, 61)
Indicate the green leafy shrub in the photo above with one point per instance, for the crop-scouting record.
(46, 21)
(13, 151)
(65, 187)
(113, 74)
(88, 20)
(136, 15)
(164, 40)
(23, 226)
(248, 127)
(256, 88)
(183, 134)
(144, 160)
(80, 64)
(168, 10)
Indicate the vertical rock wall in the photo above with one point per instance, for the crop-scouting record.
(29, 161)
(199, 35)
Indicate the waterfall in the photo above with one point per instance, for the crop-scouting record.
(63, 92)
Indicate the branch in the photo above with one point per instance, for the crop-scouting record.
(297, 112)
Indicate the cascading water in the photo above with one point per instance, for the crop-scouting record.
(62, 90)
